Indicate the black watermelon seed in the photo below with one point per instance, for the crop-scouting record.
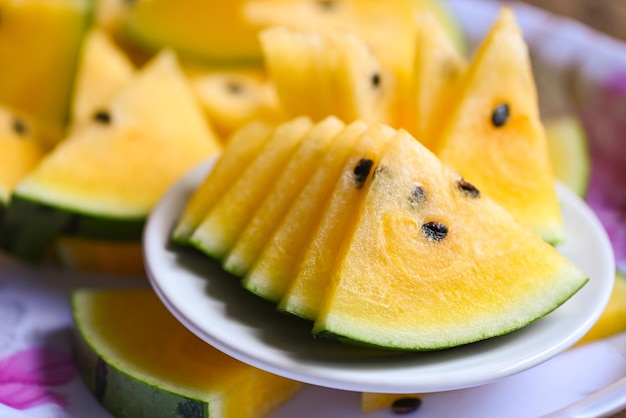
(361, 171)
(102, 116)
(376, 80)
(19, 127)
(500, 115)
(468, 188)
(327, 4)
(418, 196)
(234, 87)
(435, 231)
(406, 405)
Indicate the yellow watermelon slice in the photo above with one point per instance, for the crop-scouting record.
(311, 273)
(280, 195)
(40, 44)
(21, 151)
(103, 71)
(434, 263)
(218, 231)
(306, 209)
(205, 31)
(438, 66)
(98, 183)
(240, 150)
(139, 361)
(232, 98)
(493, 135)
(320, 74)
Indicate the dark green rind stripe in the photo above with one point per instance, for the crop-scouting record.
(126, 397)
(30, 227)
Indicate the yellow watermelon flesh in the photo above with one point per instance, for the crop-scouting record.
(102, 169)
(40, 41)
(437, 68)
(298, 223)
(280, 195)
(204, 31)
(21, 151)
(429, 263)
(218, 231)
(139, 361)
(98, 183)
(323, 74)
(239, 151)
(103, 71)
(232, 98)
(493, 135)
(311, 277)
(387, 28)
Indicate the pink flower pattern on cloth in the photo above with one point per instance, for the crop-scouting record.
(25, 377)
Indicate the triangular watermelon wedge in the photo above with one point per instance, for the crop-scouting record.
(493, 135)
(103, 180)
(430, 263)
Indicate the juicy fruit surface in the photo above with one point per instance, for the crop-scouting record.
(214, 32)
(305, 211)
(437, 67)
(280, 195)
(569, 152)
(335, 71)
(156, 111)
(221, 226)
(380, 225)
(21, 151)
(103, 71)
(239, 152)
(507, 159)
(306, 291)
(139, 360)
(42, 42)
(416, 211)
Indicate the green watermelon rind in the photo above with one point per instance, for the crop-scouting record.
(124, 395)
(30, 227)
(327, 332)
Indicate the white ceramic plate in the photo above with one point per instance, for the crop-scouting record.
(214, 306)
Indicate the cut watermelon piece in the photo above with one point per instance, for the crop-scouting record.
(280, 195)
(239, 152)
(233, 98)
(218, 231)
(98, 183)
(40, 43)
(493, 135)
(429, 265)
(278, 262)
(437, 68)
(103, 71)
(139, 361)
(309, 279)
(335, 71)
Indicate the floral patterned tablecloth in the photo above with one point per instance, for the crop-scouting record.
(587, 70)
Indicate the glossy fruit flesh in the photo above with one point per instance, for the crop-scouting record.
(139, 361)
(281, 195)
(428, 265)
(494, 137)
(292, 233)
(221, 226)
(307, 290)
